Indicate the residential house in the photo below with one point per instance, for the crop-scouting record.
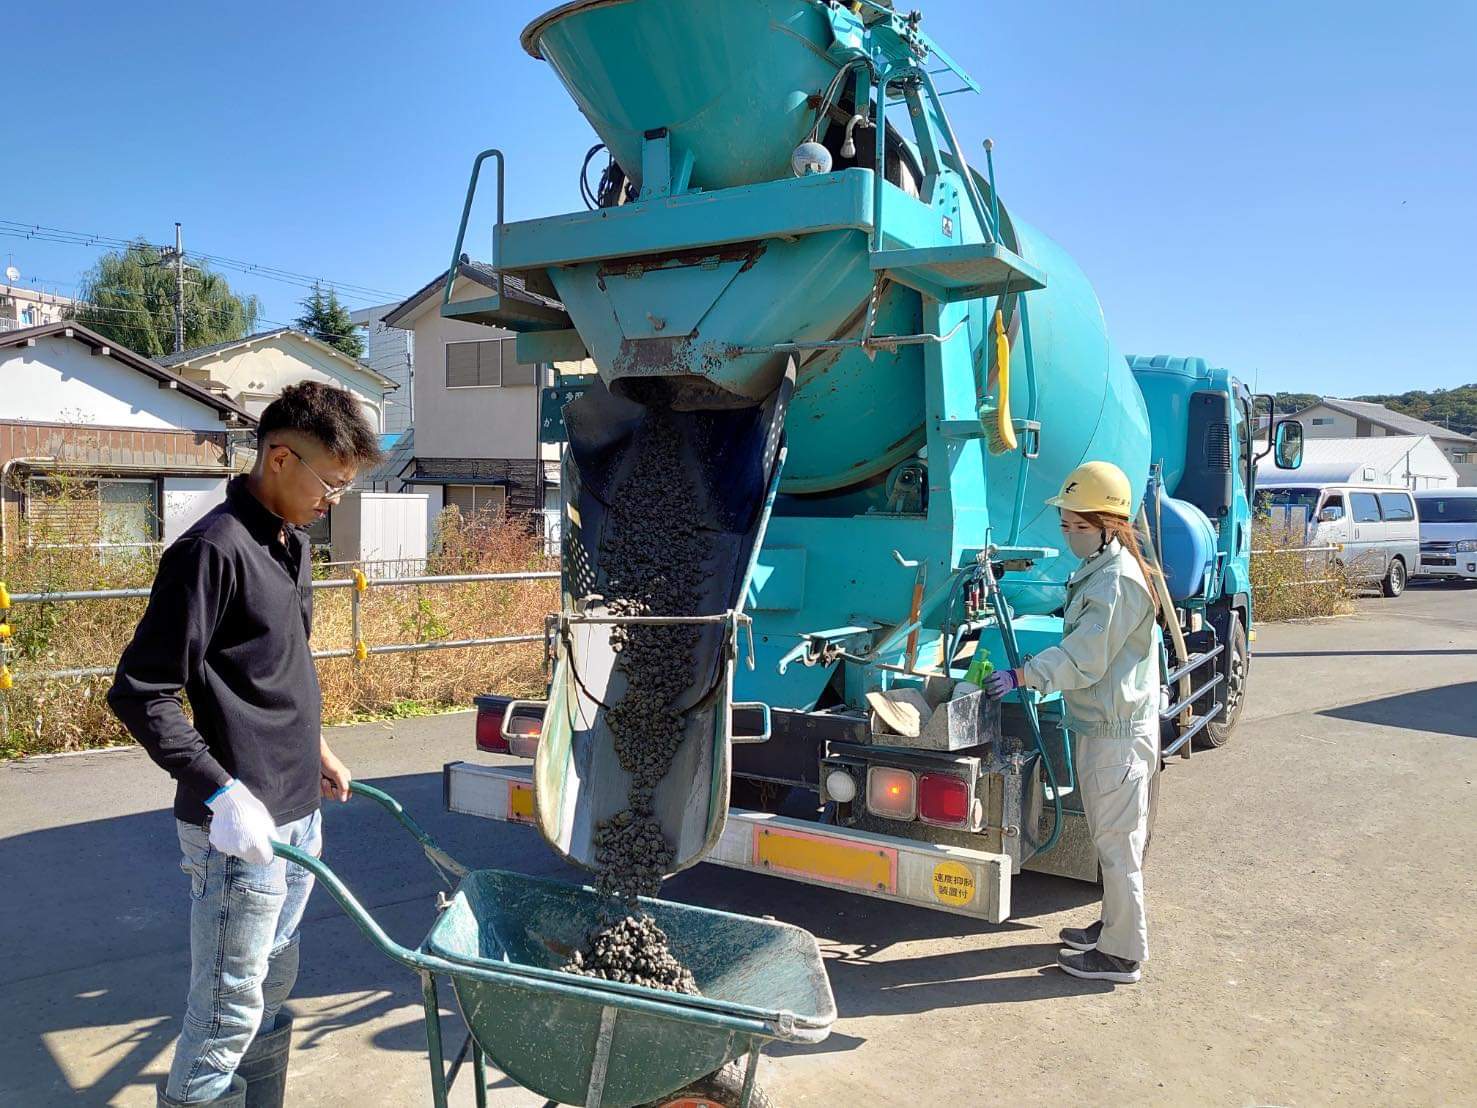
(21, 307)
(141, 451)
(254, 370)
(389, 350)
(475, 442)
(1332, 418)
(1408, 461)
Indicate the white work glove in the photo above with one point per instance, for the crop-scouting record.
(240, 824)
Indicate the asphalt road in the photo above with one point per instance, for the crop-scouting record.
(1313, 925)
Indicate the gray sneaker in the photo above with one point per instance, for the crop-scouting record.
(1094, 965)
(1082, 938)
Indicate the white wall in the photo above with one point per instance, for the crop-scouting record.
(60, 380)
(1424, 467)
(388, 350)
(186, 499)
(491, 422)
(256, 374)
(382, 527)
(435, 500)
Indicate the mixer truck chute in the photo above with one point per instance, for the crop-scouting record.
(834, 349)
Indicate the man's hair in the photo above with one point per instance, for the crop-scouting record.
(330, 415)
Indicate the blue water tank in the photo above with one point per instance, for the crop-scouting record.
(1187, 546)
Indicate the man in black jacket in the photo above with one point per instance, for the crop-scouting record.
(228, 623)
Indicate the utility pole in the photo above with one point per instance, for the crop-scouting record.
(179, 289)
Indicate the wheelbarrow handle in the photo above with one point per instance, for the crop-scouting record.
(450, 869)
(351, 906)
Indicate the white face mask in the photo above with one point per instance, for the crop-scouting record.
(1085, 544)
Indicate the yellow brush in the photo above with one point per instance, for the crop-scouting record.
(1000, 432)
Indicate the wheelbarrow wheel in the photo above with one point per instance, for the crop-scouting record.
(721, 1089)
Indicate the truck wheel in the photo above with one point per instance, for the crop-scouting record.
(1218, 732)
(1394, 583)
(721, 1089)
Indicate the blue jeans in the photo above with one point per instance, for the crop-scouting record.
(243, 953)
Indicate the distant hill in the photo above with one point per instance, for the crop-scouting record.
(1455, 408)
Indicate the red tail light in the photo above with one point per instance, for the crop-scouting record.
(944, 800)
(490, 729)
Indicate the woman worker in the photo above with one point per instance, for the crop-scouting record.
(1105, 669)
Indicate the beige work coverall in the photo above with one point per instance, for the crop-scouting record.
(1105, 667)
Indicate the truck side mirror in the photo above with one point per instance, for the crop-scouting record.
(1287, 444)
(1330, 515)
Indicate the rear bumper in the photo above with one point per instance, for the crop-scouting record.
(951, 879)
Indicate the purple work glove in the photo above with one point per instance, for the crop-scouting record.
(1001, 682)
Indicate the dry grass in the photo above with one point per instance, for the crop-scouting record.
(53, 715)
(1288, 583)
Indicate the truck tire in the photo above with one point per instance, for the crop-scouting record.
(1218, 732)
(1394, 582)
(721, 1089)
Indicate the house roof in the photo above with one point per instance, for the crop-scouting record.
(1395, 421)
(1342, 460)
(227, 409)
(396, 459)
(480, 272)
(186, 357)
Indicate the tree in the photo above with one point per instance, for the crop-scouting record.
(328, 321)
(129, 297)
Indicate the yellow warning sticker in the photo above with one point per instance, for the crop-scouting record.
(953, 884)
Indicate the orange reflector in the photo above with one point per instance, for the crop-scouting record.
(826, 858)
(520, 802)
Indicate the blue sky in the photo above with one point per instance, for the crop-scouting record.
(1289, 189)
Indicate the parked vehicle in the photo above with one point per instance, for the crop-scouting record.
(1374, 527)
(1448, 522)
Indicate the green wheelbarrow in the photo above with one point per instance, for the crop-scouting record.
(500, 940)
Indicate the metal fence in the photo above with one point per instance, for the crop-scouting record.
(358, 584)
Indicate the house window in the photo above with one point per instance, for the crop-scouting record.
(477, 500)
(104, 512)
(1322, 421)
(490, 363)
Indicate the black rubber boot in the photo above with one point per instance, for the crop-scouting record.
(235, 1097)
(264, 1065)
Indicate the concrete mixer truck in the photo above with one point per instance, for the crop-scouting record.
(868, 373)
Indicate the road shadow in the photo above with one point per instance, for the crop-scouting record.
(1443, 711)
(1360, 653)
(94, 934)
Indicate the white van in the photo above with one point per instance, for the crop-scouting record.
(1448, 519)
(1375, 526)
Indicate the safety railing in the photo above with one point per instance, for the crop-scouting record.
(357, 583)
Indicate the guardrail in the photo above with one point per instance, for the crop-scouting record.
(360, 650)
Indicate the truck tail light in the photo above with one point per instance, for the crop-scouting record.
(944, 799)
(522, 733)
(490, 729)
(892, 793)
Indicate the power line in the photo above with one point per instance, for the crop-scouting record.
(42, 233)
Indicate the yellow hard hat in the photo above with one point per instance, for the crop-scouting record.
(1095, 487)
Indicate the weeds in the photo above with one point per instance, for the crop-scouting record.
(52, 715)
(1289, 582)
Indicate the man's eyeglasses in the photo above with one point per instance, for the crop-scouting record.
(330, 492)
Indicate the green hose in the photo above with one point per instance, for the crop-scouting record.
(1013, 656)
